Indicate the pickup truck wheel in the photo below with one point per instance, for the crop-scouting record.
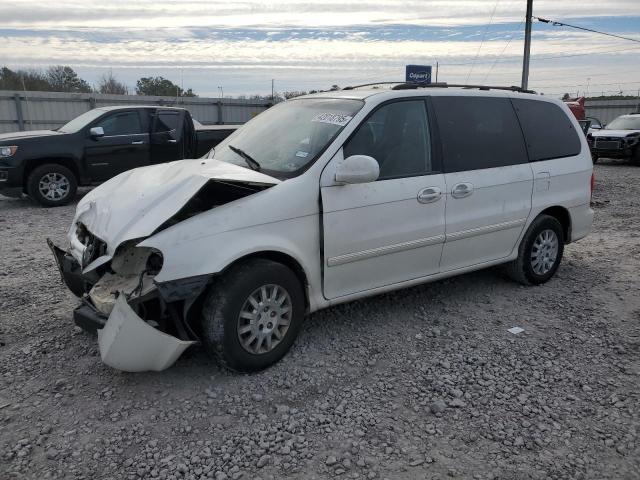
(252, 315)
(52, 185)
(540, 252)
(635, 158)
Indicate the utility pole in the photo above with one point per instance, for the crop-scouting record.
(437, 72)
(527, 46)
(272, 94)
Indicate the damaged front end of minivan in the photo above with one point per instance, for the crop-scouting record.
(141, 324)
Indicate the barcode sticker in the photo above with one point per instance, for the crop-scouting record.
(332, 118)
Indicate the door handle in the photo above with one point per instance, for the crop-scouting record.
(429, 194)
(139, 142)
(462, 190)
(171, 140)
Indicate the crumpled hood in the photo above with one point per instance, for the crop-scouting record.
(614, 133)
(135, 203)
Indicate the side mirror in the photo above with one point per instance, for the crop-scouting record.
(96, 132)
(358, 169)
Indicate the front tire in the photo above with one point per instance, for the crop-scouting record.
(253, 314)
(540, 252)
(635, 158)
(52, 185)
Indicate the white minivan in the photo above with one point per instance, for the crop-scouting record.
(320, 200)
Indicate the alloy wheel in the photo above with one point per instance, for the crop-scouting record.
(54, 186)
(264, 319)
(544, 252)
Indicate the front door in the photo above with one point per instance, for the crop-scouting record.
(124, 146)
(488, 176)
(391, 230)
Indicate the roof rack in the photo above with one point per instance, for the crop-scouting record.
(409, 86)
(353, 87)
(412, 86)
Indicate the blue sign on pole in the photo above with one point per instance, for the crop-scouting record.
(418, 74)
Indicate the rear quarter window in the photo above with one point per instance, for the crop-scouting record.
(478, 132)
(548, 131)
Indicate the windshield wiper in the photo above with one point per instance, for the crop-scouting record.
(252, 162)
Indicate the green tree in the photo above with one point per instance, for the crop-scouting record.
(31, 80)
(109, 84)
(162, 87)
(62, 78)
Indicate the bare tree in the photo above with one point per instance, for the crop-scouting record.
(108, 83)
(293, 94)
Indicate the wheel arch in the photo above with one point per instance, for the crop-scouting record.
(280, 257)
(37, 162)
(563, 216)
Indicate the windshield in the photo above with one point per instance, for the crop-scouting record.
(625, 123)
(80, 122)
(288, 137)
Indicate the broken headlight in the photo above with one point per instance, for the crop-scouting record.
(154, 263)
(94, 247)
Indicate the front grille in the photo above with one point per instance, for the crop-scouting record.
(607, 144)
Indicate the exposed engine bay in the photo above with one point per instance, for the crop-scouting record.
(141, 324)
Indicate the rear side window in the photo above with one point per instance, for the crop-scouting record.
(548, 131)
(166, 122)
(478, 132)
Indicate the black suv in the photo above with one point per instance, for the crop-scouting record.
(48, 165)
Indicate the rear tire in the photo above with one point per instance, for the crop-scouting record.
(52, 185)
(635, 158)
(258, 298)
(540, 252)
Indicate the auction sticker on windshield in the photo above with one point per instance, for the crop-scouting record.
(332, 118)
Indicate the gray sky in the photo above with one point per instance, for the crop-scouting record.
(242, 45)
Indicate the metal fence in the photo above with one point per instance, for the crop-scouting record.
(49, 110)
(607, 110)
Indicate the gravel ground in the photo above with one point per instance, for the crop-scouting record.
(421, 383)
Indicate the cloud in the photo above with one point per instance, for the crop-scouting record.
(153, 13)
(310, 44)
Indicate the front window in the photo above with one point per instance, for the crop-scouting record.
(625, 123)
(289, 137)
(397, 135)
(125, 123)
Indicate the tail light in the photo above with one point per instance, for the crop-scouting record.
(592, 184)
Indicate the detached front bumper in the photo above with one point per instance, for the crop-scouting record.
(130, 344)
(126, 341)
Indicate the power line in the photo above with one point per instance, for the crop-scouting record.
(560, 24)
(587, 84)
(504, 49)
(482, 41)
(583, 52)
